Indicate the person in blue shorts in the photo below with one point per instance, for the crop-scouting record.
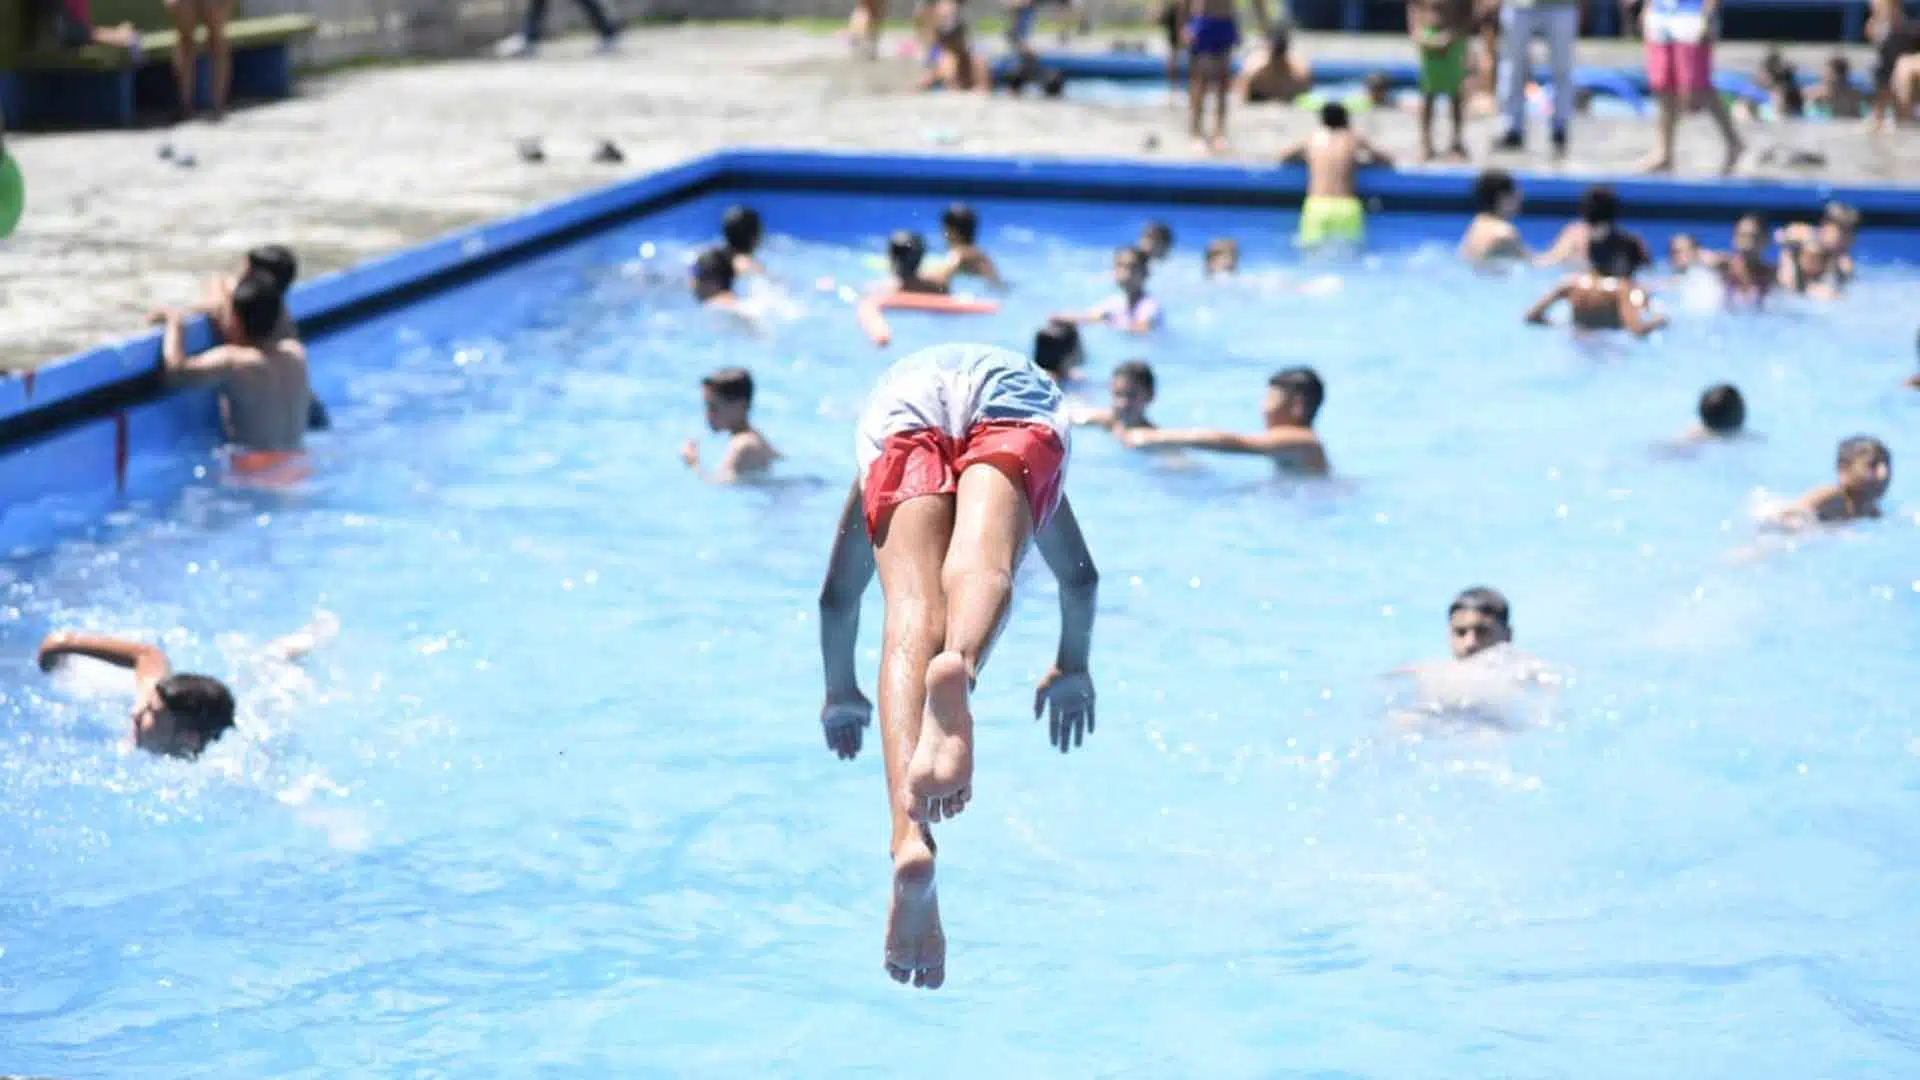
(1212, 33)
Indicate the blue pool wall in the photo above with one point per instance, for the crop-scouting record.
(85, 431)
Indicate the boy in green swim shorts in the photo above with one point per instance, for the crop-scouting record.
(1332, 211)
(1440, 30)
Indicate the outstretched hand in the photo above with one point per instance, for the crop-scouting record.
(844, 719)
(690, 454)
(1067, 699)
(51, 650)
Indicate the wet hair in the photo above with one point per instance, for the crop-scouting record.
(1053, 84)
(1858, 446)
(960, 220)
(1722, 409)
(1303, 383)
(1053, 344)
(1160, 233)
(731, 384)
(1793, 102)
(713, 272)
(1137, 372)
(1492, 186)
(741, 228)
(905, 251)
(1600, 205)
(256, 304)
(200, 704)
(274, 263)
(1483, 601)
(1333, 115)
(1616, 254)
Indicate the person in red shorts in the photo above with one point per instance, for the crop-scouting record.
(1679, 48)
(962, 452)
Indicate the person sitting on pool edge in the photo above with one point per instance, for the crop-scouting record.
(1275, 73)
(1332, 211)
(728, 396)
(1606, 297)
(262, 381)
(961, 229)
(1863, 469)
(177, 715)
(741, 232)
(956, 66)
(1056, 351)
(1491, 235)
(1156, 241)
(1293, 399)
(1132, 390)
(962, 455)
(1132, 311)
(1223, 257)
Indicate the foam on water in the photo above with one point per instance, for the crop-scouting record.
(555, 802)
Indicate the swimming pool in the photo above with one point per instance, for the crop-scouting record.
(555, 802)
(1142, 92)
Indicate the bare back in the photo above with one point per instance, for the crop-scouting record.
(1596, 302)
(1332, 160)
(264, 396)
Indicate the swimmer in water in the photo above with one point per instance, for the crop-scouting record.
(741, 231)
(1606, 297)
(1723, 418)
(265, 402)
(1747, 274)
(1477, 684)
(1684, 254)
(1156, 240)
(1223, 257)
(1056, 351)
(1132, 311)
(1818, 261)
(1599, 209)
(1132, 390)
(1293, 400)
(962, 458)
(1492, 236)
(1212, 33)
(276, 266)
(906, 252)
(1333, 154)
(714, 274)
(1863, 470)
(961, 227)
(728, 395)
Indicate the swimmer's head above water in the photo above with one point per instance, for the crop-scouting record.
(960, 224)
(256, 308)
(1132, 389)
(742, 230)
(1130, 270)
(1616, 254)
(1750, 235)
(1223, 257)
(1156, 239)
(184, 716)
(728, 394)
(906, 250)
(1293, 398)
(1478, 620)
(1864, 468)
(1837, 226)
(713, 274)
(1722, 410)
(1683, 252)
(1495, 192)
(1600, 206)
(1056, 349)
(274, 263)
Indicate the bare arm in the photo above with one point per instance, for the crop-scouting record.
(1633, 314)
(849, 570)
(1538, 312)
(873, 322)
(1565, 247)
(149, 664)
(1370, 153)
(1065, 549)
(1294, 153)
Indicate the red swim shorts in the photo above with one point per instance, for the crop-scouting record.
(927, 461)
(270, 468)
(1680, 67)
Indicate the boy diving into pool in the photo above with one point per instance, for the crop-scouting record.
(962, 453)
(1332, 210)
(1293, 400)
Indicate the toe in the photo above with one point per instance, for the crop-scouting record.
(932, 978)
(897, 973)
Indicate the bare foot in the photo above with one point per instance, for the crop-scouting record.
(940, 773)
(1217, 144)
(1734, 150)
(1426, 153)
(1655, 163)
(1458, 151)
(916, 945)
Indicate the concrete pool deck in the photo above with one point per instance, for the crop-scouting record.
(367, 161)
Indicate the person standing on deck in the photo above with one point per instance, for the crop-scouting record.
(527, 41)
(1520, 22)
(1679, 49)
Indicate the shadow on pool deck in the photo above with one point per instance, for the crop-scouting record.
(370, 160)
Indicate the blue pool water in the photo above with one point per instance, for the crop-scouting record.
(555, 803)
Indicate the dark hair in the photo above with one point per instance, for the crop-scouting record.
(1722, 409)
(1279, 40)
(1859, 446)
(713, 272)
(1054, 344)
(1837, 63)
(1599, 206)
(731, 384)
(1376, 80)
(1138, 254)
(1053, 84)
(741, 228)
(1793, 101)
(1490, 187)
(905, 250)
(1485, 601)
(1333, 115)
(1616, 254)
(960, 220)
(199, 703)
(1136, 371)
(256, 303)
(1160, 232)
(275, 263)
(1303, 383)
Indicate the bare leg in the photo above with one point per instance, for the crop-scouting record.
(1220, 75)
(1426, 127)
(186, 60)
(991, 526)
(1457, 107)
(908, 558)
(1196, 99)
(218, 12)
(1717, 108)
(1669, 120)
